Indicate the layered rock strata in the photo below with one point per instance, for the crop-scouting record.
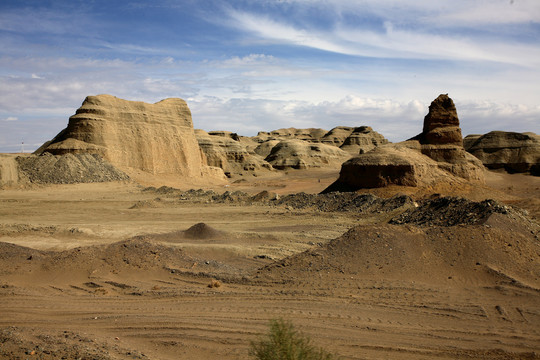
(298, 154)
(361, 140)
(230, 155)
(512, 151)
(155, 138)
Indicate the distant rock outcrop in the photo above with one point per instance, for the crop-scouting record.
(337, 136)
(155, 138)
(350, 139)
(285, 149)
(512, 151)
(309, 135)
(362, 139)
(434, 155)
(298, 154)
(229, 154)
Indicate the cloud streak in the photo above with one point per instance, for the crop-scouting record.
(393, 42)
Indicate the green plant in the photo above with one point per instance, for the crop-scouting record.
(283, 342)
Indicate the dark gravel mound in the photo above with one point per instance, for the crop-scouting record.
(338, 201)
(450, 211)
(202, 231)
(68, 169)
(329, 202)
(232, 197)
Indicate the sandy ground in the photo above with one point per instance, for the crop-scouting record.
(94, 301)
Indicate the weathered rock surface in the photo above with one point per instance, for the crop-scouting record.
(387, 165)
(284, 149)
(512, 151)
(155, 138)
(264, 149)
(441, 124)
(298, 154)
(226, 134)
(435, 155)
(337, 135)
(353, 138)
(309, 135)
(362, 139)
(230, 155)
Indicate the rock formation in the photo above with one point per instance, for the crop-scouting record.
(298, 154)
(309, 135)
(434, 155)
(226, 134)
(337, 136)
(514, 152)
(264, 149)
(230, 155)
(155, 138)
(388, 165)
(441, 124)
(354, 139)
(285, 149)
(362, 139)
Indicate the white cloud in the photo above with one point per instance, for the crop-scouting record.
(435, 12)
(478, 117)
(493, 12)
(394, 43)
(11, 118)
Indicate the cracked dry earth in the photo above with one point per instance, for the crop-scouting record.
(85, 274)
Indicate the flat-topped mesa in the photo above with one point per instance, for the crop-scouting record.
(441, 124)
(156, 138)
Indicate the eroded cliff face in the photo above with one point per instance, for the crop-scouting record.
(155, 138)
(512, 151)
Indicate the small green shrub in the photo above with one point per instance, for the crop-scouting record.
(283, 342)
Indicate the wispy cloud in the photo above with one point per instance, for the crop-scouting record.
(394, 42)
(439, 13)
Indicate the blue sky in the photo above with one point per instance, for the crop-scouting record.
(246, 66)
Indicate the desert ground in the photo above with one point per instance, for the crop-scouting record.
(128, 271)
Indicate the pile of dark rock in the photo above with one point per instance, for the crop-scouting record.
(68, 169)
(451, 211)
